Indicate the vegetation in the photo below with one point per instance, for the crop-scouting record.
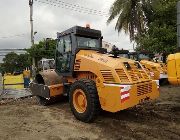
(39, 51)
(150, 23)
(162, 30)
(132, 16)
(14, 62)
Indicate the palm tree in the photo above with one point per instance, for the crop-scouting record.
(132, 16)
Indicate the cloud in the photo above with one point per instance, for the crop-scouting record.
(48, 20)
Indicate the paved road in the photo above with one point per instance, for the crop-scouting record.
(15, 93)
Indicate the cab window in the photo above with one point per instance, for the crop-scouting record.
(87, 42)
(63, 54)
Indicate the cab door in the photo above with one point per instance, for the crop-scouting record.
(64, 55)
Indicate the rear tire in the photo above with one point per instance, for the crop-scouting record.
(84, 100)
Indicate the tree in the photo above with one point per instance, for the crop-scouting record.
(10, 62)
(14, 62)
(39, 51)
(24, 61)
(133, 16)
(161, 35)
(1, 68)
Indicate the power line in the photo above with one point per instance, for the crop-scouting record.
(12, 36)
(76, 6)
(73, 7)
(65, 6)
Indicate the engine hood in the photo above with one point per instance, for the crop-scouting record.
(111, 70)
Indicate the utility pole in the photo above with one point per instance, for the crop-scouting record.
(31, 21)
(32, 35)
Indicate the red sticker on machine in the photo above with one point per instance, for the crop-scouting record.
(125, 95)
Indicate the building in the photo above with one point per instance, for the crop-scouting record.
(107, 46)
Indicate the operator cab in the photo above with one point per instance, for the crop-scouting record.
(70, 42)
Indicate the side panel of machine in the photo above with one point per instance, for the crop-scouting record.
(172, 69)
(114, 97)
(177, 58)
(151, 69)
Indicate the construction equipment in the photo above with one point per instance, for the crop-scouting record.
(173, 60)
(157, 70)
(91, 78)
(173, 66)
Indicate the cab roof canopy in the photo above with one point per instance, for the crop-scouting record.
(81, 31)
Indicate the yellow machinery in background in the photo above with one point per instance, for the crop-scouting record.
(91, 78)
(173, 66)
(156, 70)
(173, 60)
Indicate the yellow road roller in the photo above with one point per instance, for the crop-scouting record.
(92, 78)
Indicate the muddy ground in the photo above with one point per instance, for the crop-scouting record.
(25, 120)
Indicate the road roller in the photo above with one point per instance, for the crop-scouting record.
(92, 79)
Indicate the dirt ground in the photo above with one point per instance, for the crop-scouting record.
(25, 120)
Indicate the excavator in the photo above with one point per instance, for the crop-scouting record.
(91, 78)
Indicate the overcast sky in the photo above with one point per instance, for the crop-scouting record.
(48, 20)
